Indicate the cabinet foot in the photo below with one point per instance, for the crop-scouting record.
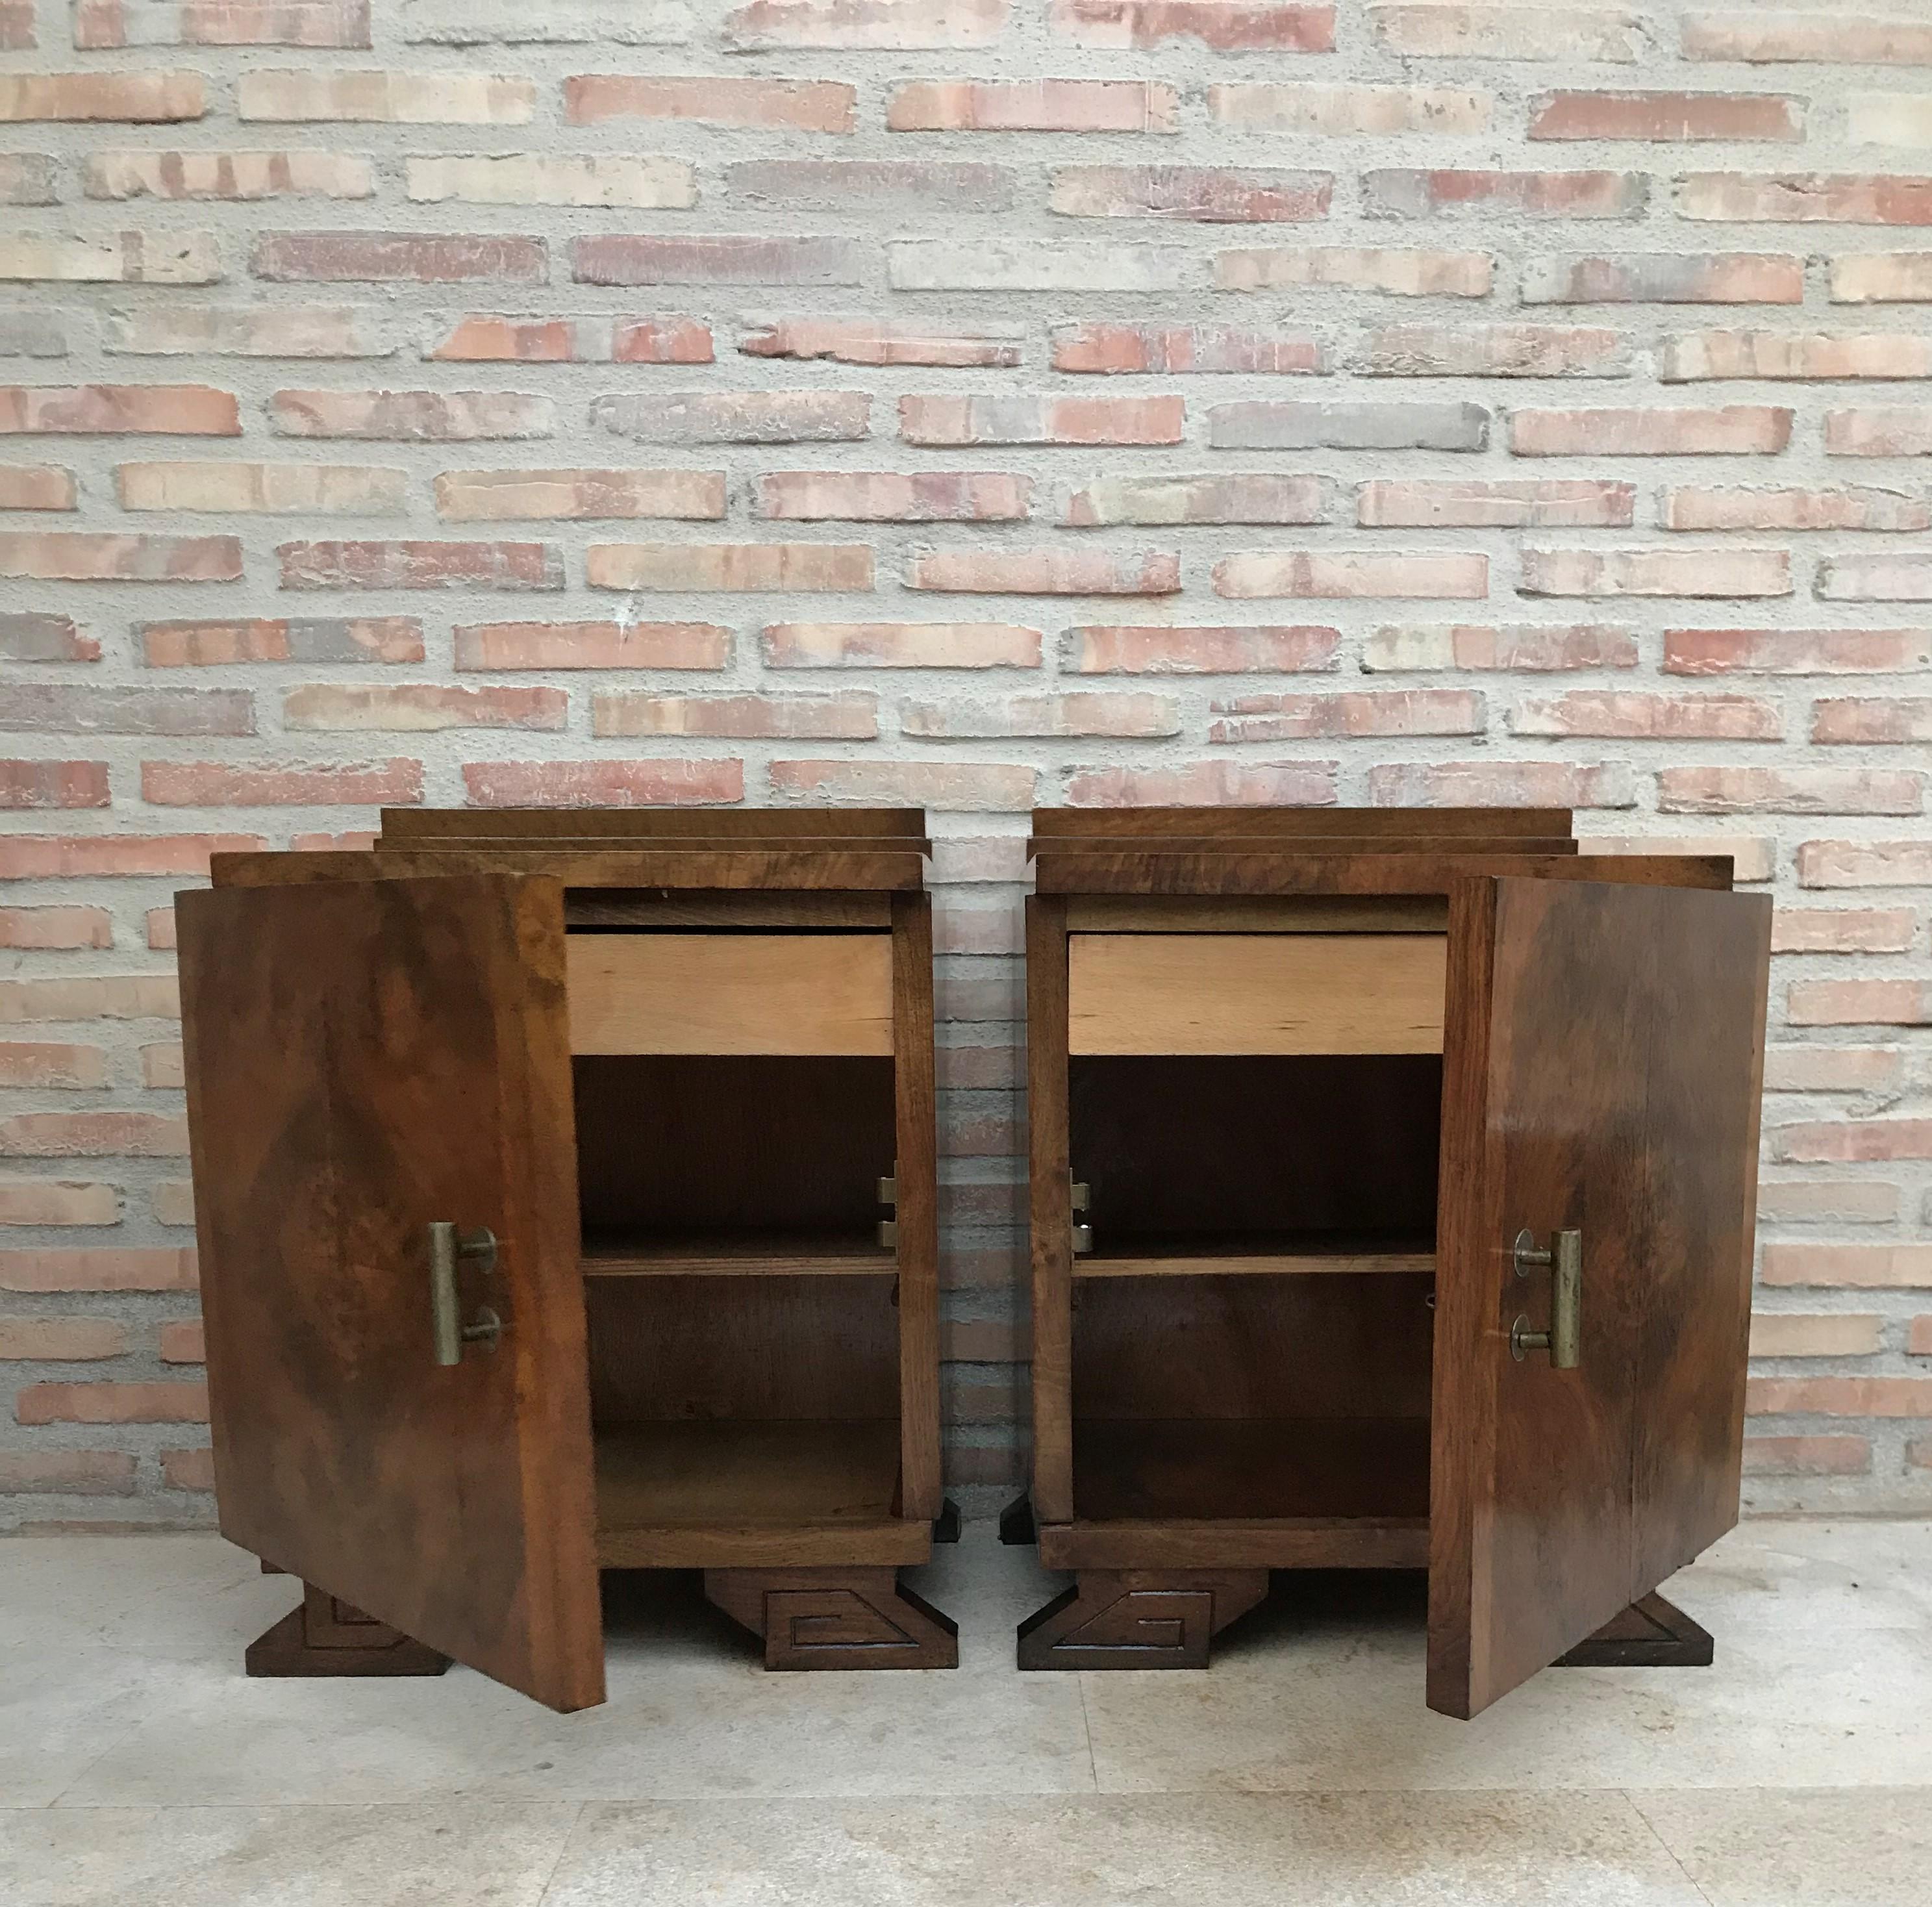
(1016, 1521)
(945, 1524)
(1138, 1618)
(858, 1618)
(322, 1636)
(1652, 1633)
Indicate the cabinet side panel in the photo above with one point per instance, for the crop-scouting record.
(1050, 1210)
(917, 1125)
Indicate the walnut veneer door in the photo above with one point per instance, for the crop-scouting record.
(366, 1059)
(1602, 1063)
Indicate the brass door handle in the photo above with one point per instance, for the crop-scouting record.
(446, 1246)
(1564, 1340)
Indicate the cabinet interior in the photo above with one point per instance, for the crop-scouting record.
(1252, 1326)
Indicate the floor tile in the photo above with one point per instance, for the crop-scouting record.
(1835, 1847)
(60, 1712)
(1445, 1850)
(455, 1855)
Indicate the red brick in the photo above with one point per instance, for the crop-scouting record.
(613, 180)
(51, 1064)
(1256, 497)
(1337, 573)
(230, 487)
(1626, 715)
(818, 105)
(1293, 424)
(93, 1135)
(1248, 26)
(1859, 1003)
(448, 99)
(758, 24)
(1893, 431)
(1181, 349)
(1742, 507)
(1875, 579)
(1700, 278)
(1206, 784)
(892, 497)
(168, 409)
(44, 784)
(283, 784)
(116, 710)
(67, 1473)
(17, 35)
(499, 646)
(1766, 34)
(183, 1342)
(305, 331)
(39, 636)
(145, 98)
(1399, 273)
(1500, 784)
(1081, 713)
(1845, 1142)
(37, 487)
(1753, 857)
(160, 924)
(1864, 863)
(396, 257)
(632, 784)
(621, 713)
(61, 1340)
(45, 856)
(1919, 1344)
(1793, 791)
(127, 257)
(1168, 649)
(56, 928)
(163, 1066)
(1807, 1456)
(1839, 1397)
(879, 341)
(1733, 430)
(1823, 1069)
(1046, 572)
(203, 643)
(1655, 116)
(1812, 1201)
(1434, 29)
(1883, 278)
(75, 556)
(1271, 718)
(736, 416)
(1051, 106)
(1207, 195)
(99, 23)
(1843, 930)
(485, 337)
(411, 417)
(946, 421)
(228, 175)
(421, 706)
(1529, 647)
(106, 996)
(729, 567)
(955, 787)
(733, 259)
(901, 645)
(420, 566)
(1517, 350)
(188, 1469)
(1467, 504)
(1732, 573)
(578, 496)
(1762, 354)
(171, 1403)
(1854, 198)
(1412, 192)
(1872, 719)
(49, 1202)
(1795, 652)
(1344, 109)
(882, 189)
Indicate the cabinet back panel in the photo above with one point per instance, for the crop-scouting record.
(675, 1143)
(1339, 1346)
(663, 1349)
(1201, 1145)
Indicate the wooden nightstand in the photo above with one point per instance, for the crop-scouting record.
(1393, 1180)
(565, 1193)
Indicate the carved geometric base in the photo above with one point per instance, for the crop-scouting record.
(1652, 1633)
(324, 1636)
(1137, 1618)
(855, 1618)
(1016, 1521)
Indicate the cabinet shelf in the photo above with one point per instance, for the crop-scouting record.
(714, 1494)
(1210, 1255)
(737, 1254)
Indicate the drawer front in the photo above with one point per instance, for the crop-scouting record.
(1256, 993)
(730, 993)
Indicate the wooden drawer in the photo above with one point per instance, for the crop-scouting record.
(730, 993)
(1256, 993)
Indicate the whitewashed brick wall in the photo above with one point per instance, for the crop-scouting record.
(971, 402)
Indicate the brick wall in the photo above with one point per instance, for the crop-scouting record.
(963, 403)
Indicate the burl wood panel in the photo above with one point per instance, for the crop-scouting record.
(363, 1059)
(1601, 1071)
(1237, 993)
(801, 993)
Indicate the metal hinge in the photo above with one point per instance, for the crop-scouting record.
(1079, 1194)
(888, 1195)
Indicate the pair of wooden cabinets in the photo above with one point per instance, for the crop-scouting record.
(566, 1190)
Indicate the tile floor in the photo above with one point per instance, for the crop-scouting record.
(138, 1768)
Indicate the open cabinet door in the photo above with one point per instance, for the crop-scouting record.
(366, 1058)
(1603, 1057)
